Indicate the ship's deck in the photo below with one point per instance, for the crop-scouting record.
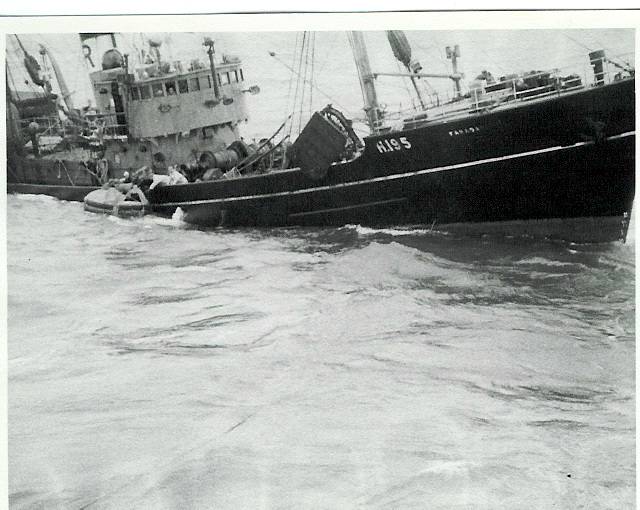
(513, 92)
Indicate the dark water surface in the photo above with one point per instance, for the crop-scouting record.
(156, 366)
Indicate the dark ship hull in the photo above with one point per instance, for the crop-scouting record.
(65, 180)
(537, 166)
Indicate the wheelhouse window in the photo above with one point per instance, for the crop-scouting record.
(206, 83)
(144, 92)
(158, 89)
(219, 80)
(183, 87)
(135, 93)
(227, 79)
(171, 88)
(235, 74)
(241, 75)
(194, 84)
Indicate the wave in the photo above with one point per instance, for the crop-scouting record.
(26, 197)
(394, 232)
(541, 261)
(152, 221)
(196, 338)
(547, 393)
(622, 257)
(176, 220)
(125, 222)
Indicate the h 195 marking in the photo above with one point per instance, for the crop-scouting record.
(393, 144)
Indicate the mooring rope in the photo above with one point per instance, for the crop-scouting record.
(61, 164)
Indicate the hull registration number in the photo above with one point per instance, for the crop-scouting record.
(393, 144)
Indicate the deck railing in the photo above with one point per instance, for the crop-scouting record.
(108, 123)
(595, 72)
(47, 126)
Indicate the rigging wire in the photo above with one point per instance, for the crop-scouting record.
(300, 83)
(406, 86)
(10, 73)
(302, 68)
(578, 42)
(313, 59)
(317, 88)
(601, 46)
(304, 81)
(20, 43)
(16, 94)
(326, 60)
(352, 45)
(435, 50)
(426, 85)
(295, 96)
(290, 106)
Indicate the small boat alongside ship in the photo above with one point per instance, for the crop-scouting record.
(112, 201)
(545, 153)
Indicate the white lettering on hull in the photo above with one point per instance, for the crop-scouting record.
(464, 131)
(393, 144)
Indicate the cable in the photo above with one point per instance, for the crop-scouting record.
(293, 59)
(406, 87)
(352, 44)
(313, 58)
(305, 52)
(295, 96)
(10, 76)
(330, 98)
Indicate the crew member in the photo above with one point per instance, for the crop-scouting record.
(159, 164)
(33, 129)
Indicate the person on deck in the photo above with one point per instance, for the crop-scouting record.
(159, 164)
(143, 178)
(33, 129)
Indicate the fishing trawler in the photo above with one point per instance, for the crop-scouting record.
(544, 153)
(149, 111)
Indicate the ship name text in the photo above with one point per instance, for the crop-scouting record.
(464, 131)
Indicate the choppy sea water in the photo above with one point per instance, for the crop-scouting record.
(152, 365)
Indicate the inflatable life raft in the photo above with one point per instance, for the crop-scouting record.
(115, 202)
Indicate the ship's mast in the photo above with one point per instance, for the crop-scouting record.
(64, 90)
(208, 42)
(367, 84)
(453, 56)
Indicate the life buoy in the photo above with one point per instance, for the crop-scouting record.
(164, 108)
